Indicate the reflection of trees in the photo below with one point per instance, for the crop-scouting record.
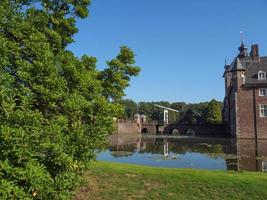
(123, 150)
(123, 144)
(154, 148)
(238, 154)
(210, 147)
(117, 154)
(182, 148)
(128, 147)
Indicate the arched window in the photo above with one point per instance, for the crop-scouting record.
(261, 75)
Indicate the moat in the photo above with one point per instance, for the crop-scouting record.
(187, 152)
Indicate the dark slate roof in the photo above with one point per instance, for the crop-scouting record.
(252, 70)
(239, 64)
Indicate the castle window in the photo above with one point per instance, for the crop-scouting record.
(243, 78)
(263, 92)
(263, 110)
(261, 75)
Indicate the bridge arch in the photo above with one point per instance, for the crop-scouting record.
(191, 132)
(175, 131)
(144, 130)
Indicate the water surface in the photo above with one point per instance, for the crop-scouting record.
(182, 152)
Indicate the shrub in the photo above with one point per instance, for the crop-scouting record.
(56, 109)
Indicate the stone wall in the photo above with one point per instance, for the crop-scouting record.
(207, 130)
(126, 128)
(148, 128)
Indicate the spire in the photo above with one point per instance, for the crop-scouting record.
(243, 48)
(242, 37)
(226, 66)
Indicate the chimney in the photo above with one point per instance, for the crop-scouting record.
(255, 52)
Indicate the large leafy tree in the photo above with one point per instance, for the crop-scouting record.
(56, 109)
(214, 112)
(197, 113)
(131, 108)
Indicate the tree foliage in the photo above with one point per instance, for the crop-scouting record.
(214, 112)
(198, 113)
(117, 76)
(130, 108)
(56, 109)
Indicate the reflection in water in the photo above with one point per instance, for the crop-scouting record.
(225, 154)
(252, 155)
(166, 148)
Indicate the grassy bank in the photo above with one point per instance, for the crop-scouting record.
(106, 180)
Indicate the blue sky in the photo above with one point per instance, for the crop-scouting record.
(180, 45)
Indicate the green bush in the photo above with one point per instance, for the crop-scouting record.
(56, 109)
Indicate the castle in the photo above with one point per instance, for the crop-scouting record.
(245, 102)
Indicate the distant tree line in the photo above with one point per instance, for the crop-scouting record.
(189, 113)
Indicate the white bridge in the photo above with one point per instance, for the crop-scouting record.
(166, 112)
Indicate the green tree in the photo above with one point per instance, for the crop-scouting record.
(180, 106)
(214, 112)
(146, 108)
(116, 77)
(56, 109)
(188, 117)
(131, 108)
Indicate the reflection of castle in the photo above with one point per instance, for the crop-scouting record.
(252, 155)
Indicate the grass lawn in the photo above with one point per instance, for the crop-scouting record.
(111, 181)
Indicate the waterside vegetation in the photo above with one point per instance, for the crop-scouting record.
(56, 109)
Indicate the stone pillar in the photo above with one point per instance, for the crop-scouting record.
(143, 119)
(137, 118)
(166, 117)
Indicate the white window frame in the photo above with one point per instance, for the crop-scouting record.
(261, 75)
(262, 112)
(263, 92)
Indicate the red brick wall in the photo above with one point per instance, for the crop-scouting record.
(232, 104)
(245, 116)
(261, 121)
(241, 122)
(242, 105)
